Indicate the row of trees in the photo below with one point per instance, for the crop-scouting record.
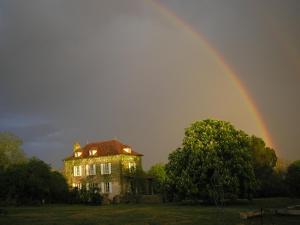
(24, 180)
(32, 181)
(217, 162)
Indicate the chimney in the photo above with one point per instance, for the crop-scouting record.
(76, 146)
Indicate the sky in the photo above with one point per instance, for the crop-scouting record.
(141, 71)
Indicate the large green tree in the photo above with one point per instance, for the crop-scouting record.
(158, 173)
(214, 163)
(58, 187)
(33, 182)
(25, 180)
(270, 182)
(11, 152)
(293, 178)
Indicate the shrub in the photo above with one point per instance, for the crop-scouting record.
(84, 196)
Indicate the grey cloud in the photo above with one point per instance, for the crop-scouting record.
(95, 70)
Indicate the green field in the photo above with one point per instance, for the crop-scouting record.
(145, 214)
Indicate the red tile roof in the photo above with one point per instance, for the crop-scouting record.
(105, 148)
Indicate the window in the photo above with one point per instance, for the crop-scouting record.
(92, 186)
(90, 169)
(92, 152)
(77, 171)
(78, 154)
(105, 168)
(128, 150)
(131, 166)
(106, 187)
(99, 186)
(76, 185)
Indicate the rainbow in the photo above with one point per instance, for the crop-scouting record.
(228, 70)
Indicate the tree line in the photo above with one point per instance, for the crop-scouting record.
(30, 181)
(218, 162)
(215, 162)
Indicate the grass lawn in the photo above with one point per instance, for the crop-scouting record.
(152, 214)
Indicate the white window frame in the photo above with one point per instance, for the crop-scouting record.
(93, 185)
(100, 187)
(106, 187)
(77, 185)
(78, 154)
(90, 169)
(131, 165)
(127, 149)
(77, 171)
(92, 152)
(105, 168)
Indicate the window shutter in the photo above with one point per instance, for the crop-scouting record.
(74, 171)
(109, 168)
(110, 187)
(87, 172)
(94, 169)
(101, 168)
(87, 186)
(102, 187)
(80, 171)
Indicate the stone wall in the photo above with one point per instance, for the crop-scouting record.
(119, 166)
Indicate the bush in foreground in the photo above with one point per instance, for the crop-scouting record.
(84, 196)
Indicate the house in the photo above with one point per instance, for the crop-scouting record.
(103, 165)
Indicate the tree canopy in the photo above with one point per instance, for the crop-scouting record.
(11, 152)
(264, 157)
(214, 162)
(158, 173)
(264, 162)
(32, 182)
(25, 180)
(293, 178)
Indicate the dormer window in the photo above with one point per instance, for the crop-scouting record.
(128, 150)
(131, 166)
(78, 154)
(92, 152)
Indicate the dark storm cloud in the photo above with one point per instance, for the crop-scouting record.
(69, 62)
(95, 70)
(260, 39)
